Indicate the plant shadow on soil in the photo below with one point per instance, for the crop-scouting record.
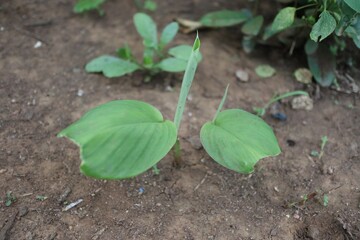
(40, 89)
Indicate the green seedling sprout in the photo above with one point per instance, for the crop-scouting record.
(124, 138)
(314, 153)
(82, 6)
(155, 58)
(261, 111)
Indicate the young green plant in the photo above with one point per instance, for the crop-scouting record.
(124, 138)
(154, 60)
(262, 111)
(82, 6)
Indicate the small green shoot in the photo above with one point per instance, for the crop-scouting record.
(325, 200)
(41, 198)
(10, 199)
(124, 138)
(314, 153)
(262, 111)
(155, 58)
(324, 140)
(82, 6)
(146, 5)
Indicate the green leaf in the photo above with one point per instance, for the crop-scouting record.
(284, 19)
(150, 5)
(325, 25)
(183, 52)
(169, 33)
(225, 18)
(111, 66)
(125, 53)
(354, 4)
(238, 140)
(87, 5)
(146, 27)
(265, 71)
(172, 65)
(253, 26)
(121, 139)
(322, 64)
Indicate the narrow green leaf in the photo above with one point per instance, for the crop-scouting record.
(225, 18)
(147, 29)
(172, 65)
(121, 139)
(322, 64)
(182, 52)
(253, 26)
(87, 5)
(354, 4)
(265, 71)
(325, 25)
(238, 140)
(284, 19)
(111, 66)
(169, 33)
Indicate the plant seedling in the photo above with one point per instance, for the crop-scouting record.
(154, 58)
(146, 4)
(121, 139)
(89, 5)
(314, 153)
(10, 199)
(261, 111)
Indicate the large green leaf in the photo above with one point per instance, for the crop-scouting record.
(172, 65)
(111, 66)
(169, 33)
(253, 26)
(183, 52)
(325, 25)
(283, 20)
(146, 27)
(225, 18)
(121, 139)
(354, 4)
(238, 140)
(322, 63)
(86, 5)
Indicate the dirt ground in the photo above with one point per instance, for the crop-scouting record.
(45, 89)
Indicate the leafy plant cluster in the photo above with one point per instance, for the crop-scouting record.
(155, 58)
(123, 138)
(298, 22)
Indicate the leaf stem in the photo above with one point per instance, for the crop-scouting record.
(306, 6)
(221, 103)
(177, 154)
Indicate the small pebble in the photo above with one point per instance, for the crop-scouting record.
(195, 142)
(302, 102)
(38, 44)
(80, 93)
(23, 211)
(242, 75)
(141, 190)
(279, 116)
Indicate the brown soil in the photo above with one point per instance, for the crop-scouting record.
(201, 200)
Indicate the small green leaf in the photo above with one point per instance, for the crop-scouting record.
(111, 66)
(87, 5)
(303, 75)
(253, 26)
(125, 53)
(326, 200)
(169, 33)
(172, 65)
(322, 63)
(150, 5)
(265, 71)
(325, 25)
(182, 52)
(238, 140)
(225, 18)
(354, 4)
(146, 27)
(284, 19)
(121, 139)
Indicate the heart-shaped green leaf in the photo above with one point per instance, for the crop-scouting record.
(111, 66)
(147, 29)
(323, 27)
(121, 139)
(238, 140)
